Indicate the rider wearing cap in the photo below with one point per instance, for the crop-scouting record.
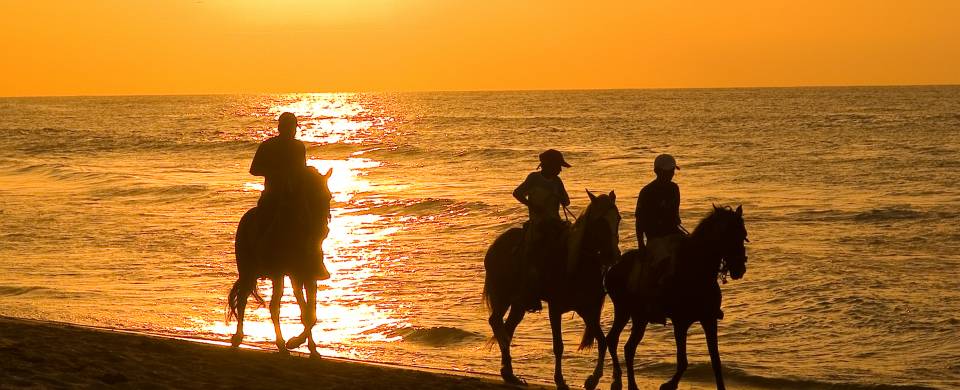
(658, 219)
(543, 193)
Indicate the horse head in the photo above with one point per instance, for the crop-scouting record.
(602, 222)
(725, 231)
(316, 195)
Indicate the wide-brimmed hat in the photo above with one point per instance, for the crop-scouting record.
(553, 157)
(665, 162)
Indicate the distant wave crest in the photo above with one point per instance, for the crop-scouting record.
(874, 215)
(437, 336)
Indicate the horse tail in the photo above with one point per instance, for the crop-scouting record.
(242, 289)
(588, 336)
(499, 265)
(485, 299)
(245, 284)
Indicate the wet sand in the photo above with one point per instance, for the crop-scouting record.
(35, 354)
(39, 354)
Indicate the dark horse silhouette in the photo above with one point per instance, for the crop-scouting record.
(714, 249)
(287, 244)
(580, 289)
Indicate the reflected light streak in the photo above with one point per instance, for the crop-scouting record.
(348, 313)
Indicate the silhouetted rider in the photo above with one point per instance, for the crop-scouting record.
(658, 205)
(543, 193)
(280, 160)
(658, 219)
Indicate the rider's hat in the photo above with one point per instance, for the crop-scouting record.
(553, 157)
(665, 162)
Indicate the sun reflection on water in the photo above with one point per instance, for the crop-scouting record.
(334, 118)
(349, 313)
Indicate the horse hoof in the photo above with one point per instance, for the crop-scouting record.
(562, 386)
(616, 385)
(236, 340)
(283, 351)
(591, 383)
(668, 386)
(295, 342)
(315, 355)
(511, 379)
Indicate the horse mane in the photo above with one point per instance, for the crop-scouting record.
(714, 216)
(589, 209)
(579, 228)
(579, 225)
(315, 195)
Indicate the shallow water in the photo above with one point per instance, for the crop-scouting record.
(120, 211)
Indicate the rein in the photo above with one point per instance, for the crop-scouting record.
(567, 214)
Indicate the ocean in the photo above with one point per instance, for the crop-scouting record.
(120, 212)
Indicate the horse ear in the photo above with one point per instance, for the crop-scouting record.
(715, 208)
(740, 211)
(613, 196)
(328, 173)
(591, 195)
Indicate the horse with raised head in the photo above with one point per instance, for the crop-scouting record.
(284, 242)
(579, 288)
(714, 250)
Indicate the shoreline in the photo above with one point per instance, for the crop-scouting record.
(48, 354)
(43, 354)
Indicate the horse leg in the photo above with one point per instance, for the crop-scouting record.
(241, 300)
(630, 349)
(513, 319)
(311, 291)
(555, 324)
(620, 319)
(503, 336)
(593, 329)
(298, 340)
(680, 335)
(710, 331)
(275, 312)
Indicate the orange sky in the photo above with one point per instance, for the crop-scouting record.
(70, 47)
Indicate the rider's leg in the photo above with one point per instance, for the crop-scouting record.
(533, 266)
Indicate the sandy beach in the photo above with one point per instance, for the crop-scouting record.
(36, 354)
(40, 354)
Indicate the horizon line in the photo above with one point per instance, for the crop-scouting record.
(495, 90)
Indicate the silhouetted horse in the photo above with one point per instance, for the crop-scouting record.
(580, 289)
(714, 249)
(286, 244)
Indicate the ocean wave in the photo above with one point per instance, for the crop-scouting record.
(63, 172)
(135, 190)
(874, 215)
(426, 206)
(485, 153)
(21, 291)
(48, 141)
(704, 372)
(892, 213)
(437, 336)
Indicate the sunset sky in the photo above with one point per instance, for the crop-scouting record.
(122, 47)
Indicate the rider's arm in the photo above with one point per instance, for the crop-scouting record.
(258, 166)
(564, 198)
(301, 154)
(676, 190)
(522, 191)
(639, 218)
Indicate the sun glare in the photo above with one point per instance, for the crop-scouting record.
(347, 312)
